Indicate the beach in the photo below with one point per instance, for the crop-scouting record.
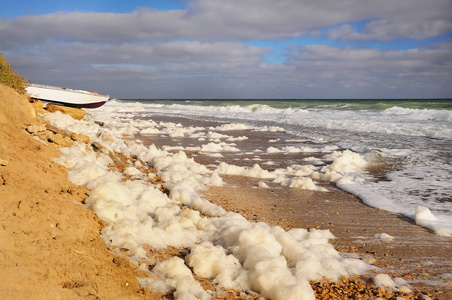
(54, 247)
(390, 241)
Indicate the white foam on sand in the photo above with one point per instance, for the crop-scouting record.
(345, 169)
(293, 149)
(384, 237)
(225, 247)
(425, 218)
(393, 284)
(342, 169)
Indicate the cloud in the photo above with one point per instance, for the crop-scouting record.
(357, 68)
(189, 53)
(83, 64)
(202, 51)
(142, 24)
(193, 69)
(315, 71)
(385, 30)
(401, 20)
(213, 20)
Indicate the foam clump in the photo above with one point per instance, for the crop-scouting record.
(260, 253)
(133, 171)
(384, 237)
(175, 276)
(231, 126)
(219, 147)
(262, 184)
(68, 123)
(304, 183)
(256, 171)
(272, 129)
(305, 149)
(344, 165)
(393, 284)
(150, 130)
(345, 162)
(272, 149)
(212, 262)
(425, 218)
(299, 170)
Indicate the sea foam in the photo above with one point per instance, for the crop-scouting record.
(225, 247)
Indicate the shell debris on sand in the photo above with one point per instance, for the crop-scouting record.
(361, 288)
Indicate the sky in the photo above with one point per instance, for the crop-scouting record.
(233, 49)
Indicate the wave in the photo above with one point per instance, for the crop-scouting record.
(431, 123)
(419, 114)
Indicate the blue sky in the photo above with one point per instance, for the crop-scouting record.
(12, 9)
(235, 48)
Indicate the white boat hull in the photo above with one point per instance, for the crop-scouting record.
(67, 97)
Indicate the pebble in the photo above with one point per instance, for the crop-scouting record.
(52, 128)
(80, 137)
(59, 137)
(63, 225)
(61, 140)
(36, 129)
(75, 113)
(356, 287)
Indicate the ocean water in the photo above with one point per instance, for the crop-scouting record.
(406, 143)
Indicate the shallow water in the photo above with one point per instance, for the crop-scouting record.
(405, 142)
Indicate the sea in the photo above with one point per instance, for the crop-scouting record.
(407, 143)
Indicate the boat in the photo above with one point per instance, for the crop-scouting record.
(65, 96)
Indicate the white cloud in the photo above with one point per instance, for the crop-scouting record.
(352, 67)
(188, 53)
(237, 20)
(201, 51)
(385, 30)
(401, 20)
(315, 71)
(142, 24)
(218, 70)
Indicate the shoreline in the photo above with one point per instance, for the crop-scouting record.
(82, 283)
(388, 240)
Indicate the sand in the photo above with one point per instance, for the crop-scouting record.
(50, 245)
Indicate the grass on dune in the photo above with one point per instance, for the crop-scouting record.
(10, 78)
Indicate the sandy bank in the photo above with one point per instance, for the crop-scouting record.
(50, 245)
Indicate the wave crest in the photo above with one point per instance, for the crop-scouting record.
(419, 114)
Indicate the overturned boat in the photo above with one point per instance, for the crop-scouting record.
(66, 97)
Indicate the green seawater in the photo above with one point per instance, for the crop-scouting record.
(349, 104)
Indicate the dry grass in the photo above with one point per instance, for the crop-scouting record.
(10, 78)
